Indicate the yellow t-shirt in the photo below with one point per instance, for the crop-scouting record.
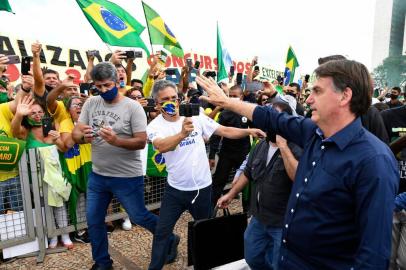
(66, 126)
(60, 113)
(5, 130)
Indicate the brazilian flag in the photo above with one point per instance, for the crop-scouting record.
(114, 25)
(155, 163)
(4, 5)
(159, 32)
(291, 65)
(76, 166)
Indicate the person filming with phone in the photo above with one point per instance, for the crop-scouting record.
(178, 133)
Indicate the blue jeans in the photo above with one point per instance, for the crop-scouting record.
(10, 192)
(130, 193)
(262, 245)
(173, 204)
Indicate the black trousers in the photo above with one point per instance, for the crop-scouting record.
(226, 163)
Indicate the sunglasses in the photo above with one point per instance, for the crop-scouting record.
(136, 97)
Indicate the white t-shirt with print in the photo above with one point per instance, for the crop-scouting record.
(187, 165)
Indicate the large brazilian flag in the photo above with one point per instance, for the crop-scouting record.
(114, 25)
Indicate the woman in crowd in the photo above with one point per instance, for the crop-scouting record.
(27, 125)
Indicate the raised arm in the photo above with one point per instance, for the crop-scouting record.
(89, 68)
(39, 83)
(238, 133)
(23, 109)
(27, 82)
(56, 92)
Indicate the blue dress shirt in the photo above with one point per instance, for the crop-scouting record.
(339, 214)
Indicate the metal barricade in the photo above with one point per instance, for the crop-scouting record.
(16, 215)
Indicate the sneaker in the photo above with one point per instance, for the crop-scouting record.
(81, 237)
(173, 251)
(66, 241)
(126, 224)
(53, 242)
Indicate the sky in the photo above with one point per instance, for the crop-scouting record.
(263, 28)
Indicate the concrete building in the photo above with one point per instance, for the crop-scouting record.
(389, 39)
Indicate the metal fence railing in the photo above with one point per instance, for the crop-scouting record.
(25, 215)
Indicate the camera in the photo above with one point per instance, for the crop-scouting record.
(93, 53)
(150, 106)
(211, 74)
(189, 109)
(133, 54)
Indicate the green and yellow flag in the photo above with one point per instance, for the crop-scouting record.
(156, 163)
(159, 32)
(291, 65)
(114, 25)
(4, 5)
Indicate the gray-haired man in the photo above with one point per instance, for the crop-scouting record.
(115, 126)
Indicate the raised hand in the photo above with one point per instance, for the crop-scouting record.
(216, 94)
(117, 56)
(24, 106)
(36, 48)
(27, 82)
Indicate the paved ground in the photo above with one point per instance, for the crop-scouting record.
(130, 250)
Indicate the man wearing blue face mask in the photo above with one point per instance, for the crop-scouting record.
(181, 141)
(115, 126)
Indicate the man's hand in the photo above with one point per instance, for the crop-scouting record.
(3, 59)
(212, 163)
(216, 94)
(281, 142)
(117, 57)
(108, 134)
(143, 102)
(224, 201)
(87, 132)
(269, 89)
(36, 49)
(187, 126)
(257, 133)
(68, 81)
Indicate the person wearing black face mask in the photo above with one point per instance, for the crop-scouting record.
(293, 90)
(394, 98)
(271, 166)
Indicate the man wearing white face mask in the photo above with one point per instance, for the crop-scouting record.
(233, 151)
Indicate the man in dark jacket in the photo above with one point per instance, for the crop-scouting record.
(271, 167)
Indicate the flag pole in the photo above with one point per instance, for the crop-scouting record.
(149, 34)
(108, 47)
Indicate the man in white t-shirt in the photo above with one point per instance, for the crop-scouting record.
(180, 140)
